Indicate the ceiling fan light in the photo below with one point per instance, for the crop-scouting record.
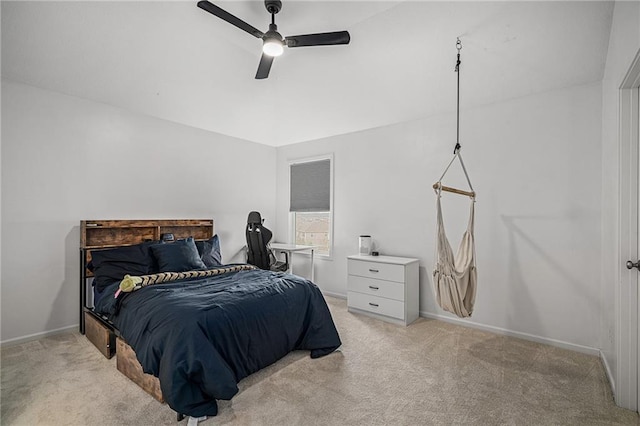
(272, 47)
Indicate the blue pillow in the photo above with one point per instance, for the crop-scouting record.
(113, 264)
(180, 256)
(210, 251)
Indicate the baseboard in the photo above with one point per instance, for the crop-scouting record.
(336, 295)
(35, 336)
(607, 370)
(531, 337)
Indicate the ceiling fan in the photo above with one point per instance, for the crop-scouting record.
(273, 42)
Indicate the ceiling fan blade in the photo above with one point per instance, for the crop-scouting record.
(223, 14)
(264, 67)
(321, 39)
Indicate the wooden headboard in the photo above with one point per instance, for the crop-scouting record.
(96, 234)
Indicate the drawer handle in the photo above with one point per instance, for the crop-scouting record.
(374, 304)
(373, 270)
(374, 288)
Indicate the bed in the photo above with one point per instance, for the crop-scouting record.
(196, 324)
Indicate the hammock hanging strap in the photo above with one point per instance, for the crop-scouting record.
(464, 169)
(457, 70)
(456, 151)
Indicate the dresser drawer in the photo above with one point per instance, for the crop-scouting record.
(388, 289)
(381, 271)
(375, 304)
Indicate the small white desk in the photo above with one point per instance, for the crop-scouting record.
(293, 248)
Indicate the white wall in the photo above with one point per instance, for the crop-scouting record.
(535, 163)
(65, 159)
(624, 43)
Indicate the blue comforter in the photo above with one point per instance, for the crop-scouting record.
(201, 337)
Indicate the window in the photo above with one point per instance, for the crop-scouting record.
(311, 192)
(314, 229)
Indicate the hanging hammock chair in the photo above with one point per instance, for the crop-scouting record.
(455, 277)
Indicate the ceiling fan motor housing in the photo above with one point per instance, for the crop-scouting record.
(273, 33)
(273, 6)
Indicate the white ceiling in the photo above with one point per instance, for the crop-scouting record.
(174, 61)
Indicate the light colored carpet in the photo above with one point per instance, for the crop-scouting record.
(430, 373)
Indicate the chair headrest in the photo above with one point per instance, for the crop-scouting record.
(254, 218)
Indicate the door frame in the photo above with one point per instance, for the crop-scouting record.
(627, 329)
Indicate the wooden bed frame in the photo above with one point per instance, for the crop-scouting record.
(105, 234)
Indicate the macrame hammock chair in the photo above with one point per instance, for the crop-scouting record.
(455, 277)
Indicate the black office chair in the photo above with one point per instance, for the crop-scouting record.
(258, 251)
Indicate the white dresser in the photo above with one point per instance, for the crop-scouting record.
(385, 287)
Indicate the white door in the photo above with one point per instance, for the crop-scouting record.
(627, 291)
(635, 264)
(628, 322)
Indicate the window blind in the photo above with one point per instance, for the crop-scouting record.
(311, 186)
